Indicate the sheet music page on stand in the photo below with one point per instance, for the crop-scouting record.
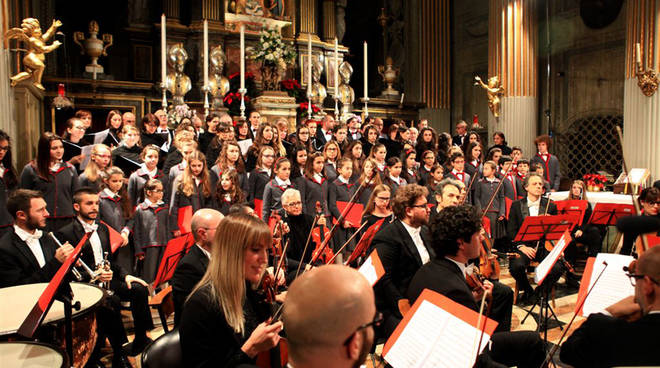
(613, 286)
(435, 338)
(372, 269)
(549, 261)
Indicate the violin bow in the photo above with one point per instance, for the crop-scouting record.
(555, 347)
(281, 262)
(309, 238)
(481, 316)
(470, 186)
(638, 210)
(492, 196)
(347, 242)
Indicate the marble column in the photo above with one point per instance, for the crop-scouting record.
(512, 43)
(641, 130)
(329, 30)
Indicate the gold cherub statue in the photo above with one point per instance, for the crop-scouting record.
(494, 90)
(33, 62)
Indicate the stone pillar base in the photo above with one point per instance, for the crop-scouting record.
(276, 104)
(641, 131)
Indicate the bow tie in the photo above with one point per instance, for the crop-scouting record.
(89, 228)
(36, 236)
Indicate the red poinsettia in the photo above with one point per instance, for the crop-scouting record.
(290, 84)
(248, 75)
(594, 180)
(304, 106)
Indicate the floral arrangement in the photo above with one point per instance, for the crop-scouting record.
(232, 99)
(293, 89)
(595, 181)
(177, 113)
(232, 102)
(302, 110)
(271, 49)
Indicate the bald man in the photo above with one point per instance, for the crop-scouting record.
(626, 333)
(329, 314)
(193, 265)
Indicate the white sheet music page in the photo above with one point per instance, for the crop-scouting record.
(613, 286)
(549, 261)
(372, 269)
(435, 338)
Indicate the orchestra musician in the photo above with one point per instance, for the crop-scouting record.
(192, 266)
(532, 205)
(649, 201)
(315, 338)
(625, 333)
(124, 286)
(456, 238)
(299, 227)
(403, 247)
(224, 321)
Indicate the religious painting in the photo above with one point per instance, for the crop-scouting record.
(304, 59)
(330, 67)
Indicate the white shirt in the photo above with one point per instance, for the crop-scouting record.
(109, 193)
(150, 173)
(94, 240)
(460, 265)
(206, 252)
(2, 171)
(32, 241)
(415, 234)
(534, 207)
(318, 177)
(341, 179)
(282, 183)
(327, 135)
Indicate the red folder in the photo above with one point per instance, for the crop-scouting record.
(115, 238)
(584, 284)
(258, 205)
(184, 218)
(575, 208)
(609, 213)
(507, 205)
(175, 250)
(354, 215)
(365, 241)
(485, 222)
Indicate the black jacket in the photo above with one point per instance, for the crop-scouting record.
(443, 276)
(187, 274)
(18, 266)
(519, 211)
(57, 192)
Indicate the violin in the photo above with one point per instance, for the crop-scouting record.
(489, 267)
(319, 234)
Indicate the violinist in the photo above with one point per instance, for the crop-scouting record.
(625, 333)
(316, 340)
(532, 205)
(456, 238)
(447, 193)
(649, 201)
(403, 247)
(225, 322)
(299, 226)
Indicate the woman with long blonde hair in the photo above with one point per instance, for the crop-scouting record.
(193, 187)
(587, 234)
(223, 322)
(94, 173)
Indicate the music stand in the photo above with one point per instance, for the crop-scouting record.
(174, 251)
(60, 289)
(540, 229)
(575, 208)
(607, 214)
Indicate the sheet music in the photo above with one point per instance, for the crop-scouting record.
(372, 269)
(87, 151)
(549, 261)
(613, 286)
(244, 145)
(435, 338)
(100, 136)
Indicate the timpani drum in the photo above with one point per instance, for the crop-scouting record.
(31, 355)
(19, 300)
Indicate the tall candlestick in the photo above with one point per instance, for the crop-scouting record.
(638, 54)
(309, 75)
(336, 68)
(163, 48)
(242, 56)
(366, 81)
(206, 53)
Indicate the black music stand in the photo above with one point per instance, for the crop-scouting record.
(607, 214)
(58, 288)
(541, 229)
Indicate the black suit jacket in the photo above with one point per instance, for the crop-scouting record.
(74, 231)
(187, 274)
(401, 260)
(445, 277)
(519, 211)
(18, 266)
(320, 139)
(604, 341)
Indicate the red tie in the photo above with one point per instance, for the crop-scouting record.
(513, 184)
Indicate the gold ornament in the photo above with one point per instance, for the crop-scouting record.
(93, 47)
(177, 83)
(647, 80)
(218, 83)
(35, 41)
(389, 74)
(494, 90)
(318, 92)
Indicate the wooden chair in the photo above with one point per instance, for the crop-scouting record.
(163, 302)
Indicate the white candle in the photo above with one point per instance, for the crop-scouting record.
(309, 62)
(206, 53)
(638, 53)
(401, 102)
(336, 68)
(242, 56)
(366, 81)
(163, 49)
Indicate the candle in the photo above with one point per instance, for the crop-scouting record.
(309, 62)
(242, 56)
(401, 102)
(366, 81)
(336, 68)
(638, 54)
(163, 49)
(206, 53)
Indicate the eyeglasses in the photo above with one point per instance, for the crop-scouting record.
(4, 148)
(424, 206)
(378, 319)
(635, 276)
(383, 198)
(650, 203)
(268, 156)
(294, 204)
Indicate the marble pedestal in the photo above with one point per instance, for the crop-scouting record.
(275, 104)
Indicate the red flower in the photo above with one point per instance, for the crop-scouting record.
(232, 76)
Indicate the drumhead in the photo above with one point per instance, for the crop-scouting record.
(31, 354)
(19, 301)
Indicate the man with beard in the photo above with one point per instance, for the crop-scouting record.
(193, 265)
(124, 287)
(299, 226)
(315, 338)
(26, 256)
(403, 247)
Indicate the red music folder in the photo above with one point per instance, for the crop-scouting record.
(115, 238)
(184, 218)
(576, 208)
(507, 205)
(175, 250)
(258, 205)
(485, 222)
(354, 215)
(437, 332)
(609, 213)
(534, 228)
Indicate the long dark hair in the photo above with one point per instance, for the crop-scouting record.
(43, 154)
(10, 176)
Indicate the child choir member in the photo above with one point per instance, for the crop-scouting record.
(115, 210)
(341, 189)
(228, 192)
(316, 185)
(332, 154)
(260, 175)
(151, 230)
(148, 170)
(272, 199)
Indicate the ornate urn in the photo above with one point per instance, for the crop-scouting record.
(389, 74)
(93, 47)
